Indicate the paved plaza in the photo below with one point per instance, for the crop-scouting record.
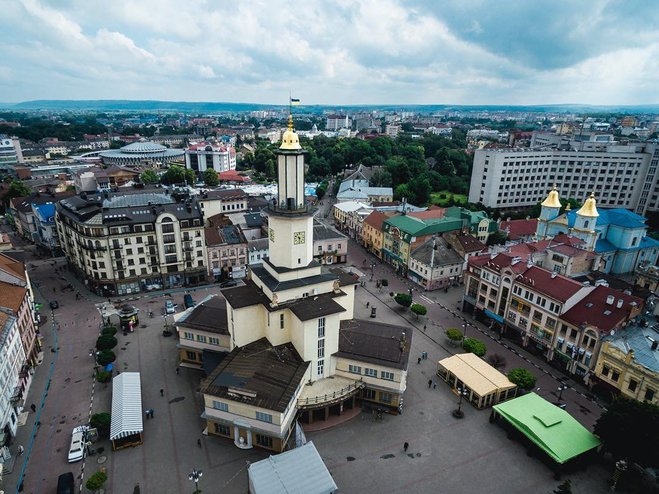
(364, 455)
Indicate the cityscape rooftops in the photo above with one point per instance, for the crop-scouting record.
(603, 308)
(549, 283)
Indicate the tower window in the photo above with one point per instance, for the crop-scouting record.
(281, 321)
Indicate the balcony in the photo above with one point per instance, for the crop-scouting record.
(327, 392)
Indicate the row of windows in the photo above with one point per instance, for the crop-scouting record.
(224, 407)
(356, 369)
(201, 338)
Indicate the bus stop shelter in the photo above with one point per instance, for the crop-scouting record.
(481, 384)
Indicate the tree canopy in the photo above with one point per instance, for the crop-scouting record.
(629, 430)
(472, 345)
(522, 377)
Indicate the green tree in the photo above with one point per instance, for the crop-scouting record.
(96, 481)
(522, 378)
(454, 334)
(106, 342)
(404, 299)
(564, 488)
(497, 238)
(210, 178)
(419, 309)
(178, 175)
(105, 357)
(421, 189)
(381, 178)
(472, 345)
(149, 177)
(16, 189)
(101, 422)
(622, 425)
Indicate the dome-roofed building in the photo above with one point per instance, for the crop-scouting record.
(140, 152)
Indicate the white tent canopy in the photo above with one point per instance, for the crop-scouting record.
(126, 408)
(300, 470)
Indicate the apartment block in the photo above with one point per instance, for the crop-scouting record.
(620, 176)
(124, 243)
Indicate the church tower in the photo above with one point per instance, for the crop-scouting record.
(549, 209)
(584, 223)
(290, 220)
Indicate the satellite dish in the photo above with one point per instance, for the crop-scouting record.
(612, 332)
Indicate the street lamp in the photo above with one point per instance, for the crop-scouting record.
(195, 476)
(372, 270)
(560, 390)
(458, 413)
(464, 331)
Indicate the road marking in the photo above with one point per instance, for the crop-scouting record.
(427, 299)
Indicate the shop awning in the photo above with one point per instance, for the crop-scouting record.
(492, 315)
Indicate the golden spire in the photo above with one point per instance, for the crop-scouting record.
(588, 208)
(552, 200)
(290, 139)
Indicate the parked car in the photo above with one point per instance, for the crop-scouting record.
(66, 483)
(188, 301)
(170, 307)
(78, 442)
(53, 304)
(228, 284)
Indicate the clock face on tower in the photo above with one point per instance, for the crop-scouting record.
(271, 232)
(298, 238)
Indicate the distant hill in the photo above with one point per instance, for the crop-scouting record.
(223, 107)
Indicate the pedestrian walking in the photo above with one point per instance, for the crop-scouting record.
(367, 304)
(162, 392)
(20, 450)
(424, 327)
(429, 383)
(177, 371)
(33, 407)
(418, 361)
(146, 413)
(199, 442)
(434, 385)
(405, 446)
(151, 412)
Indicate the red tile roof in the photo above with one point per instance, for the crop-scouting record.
(594, 310)
(470, 243)
(232, 176)
(375, 219)
(518, 229)
(430, 214)
(553, 285)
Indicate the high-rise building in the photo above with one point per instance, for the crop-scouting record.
(621, 176)
(9, 154)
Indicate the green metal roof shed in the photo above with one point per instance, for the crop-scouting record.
(549, 427)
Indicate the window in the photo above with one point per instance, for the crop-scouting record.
(188, 336)
(214, 341)
(191, 355)
(632, 385)
(321, 327)
(281, 321)
(605, 370)
(615, 375)
(387, 376)
(222, 429)
(354, 369)
(321, 367)
(264, 441)
(649, 394)
(201, 338)
(386, 397)
(264, 417)
(368, 394)
(219, 405)
(321, 348)
(370, 372)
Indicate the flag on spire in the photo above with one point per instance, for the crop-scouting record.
(295, 101)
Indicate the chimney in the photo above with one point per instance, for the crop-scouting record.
(610, 299)
(619, 304)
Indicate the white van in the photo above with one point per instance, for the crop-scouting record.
(78, 442)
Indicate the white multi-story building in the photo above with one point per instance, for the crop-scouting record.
(12, 358)
(9, 155)
(202, 156)
(621, 176)
(131, 242)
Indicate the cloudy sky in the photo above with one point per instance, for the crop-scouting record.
(338, 52)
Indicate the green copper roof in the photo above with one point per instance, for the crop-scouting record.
(553, 430)
(417, 227)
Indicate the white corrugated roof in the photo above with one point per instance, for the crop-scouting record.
(126, 405)
(298, 471)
